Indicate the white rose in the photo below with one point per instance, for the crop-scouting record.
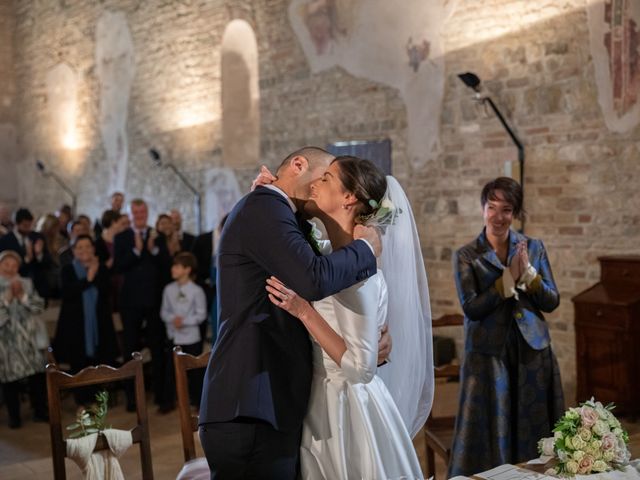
(585, 434)
(608, 455)
(562, 456)
(599, 466)
(596, 444)
(577, 442)
(557, 435)
(578, 455)
(617, 432)
(601, 428)
(572, 467)
(568, 443)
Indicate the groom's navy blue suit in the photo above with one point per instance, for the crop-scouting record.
(259, 373)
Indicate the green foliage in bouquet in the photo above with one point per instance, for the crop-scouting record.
(587, 439)
(92, 420)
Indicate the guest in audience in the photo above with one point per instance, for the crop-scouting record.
(75, 228)
(165, 226)
(86, 221)
(204, 249)
(31, 248)
(6, 225)
(511, 394)
(49, 227)
(65, 215)
(184, 308)
(186, 239)
(20, 357)
(85, 334)
(113, 223)
(139, 254)
(117, 202)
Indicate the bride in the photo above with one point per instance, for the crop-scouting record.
(356, 427)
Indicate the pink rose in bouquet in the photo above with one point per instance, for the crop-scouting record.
(589, 416)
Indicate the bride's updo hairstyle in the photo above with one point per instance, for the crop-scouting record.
(365, 180)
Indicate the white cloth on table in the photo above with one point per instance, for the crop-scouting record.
(103, 464)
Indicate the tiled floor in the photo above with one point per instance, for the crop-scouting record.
(25, 453)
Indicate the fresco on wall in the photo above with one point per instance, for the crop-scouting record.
(115, 67)
(61, 84)
(614, 28)
(222, 192)
(399, 47)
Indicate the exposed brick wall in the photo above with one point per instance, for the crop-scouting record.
(581, 182)
(8, 192)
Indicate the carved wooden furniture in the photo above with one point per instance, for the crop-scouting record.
(183, 362)
(58, 381)
(607, 325)
(438, 432)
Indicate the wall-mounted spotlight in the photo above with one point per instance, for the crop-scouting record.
(46, 173)
(472, 81)
(156, 157)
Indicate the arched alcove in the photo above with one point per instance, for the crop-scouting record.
(240, 96)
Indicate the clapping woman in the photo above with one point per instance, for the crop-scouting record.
(20, 357)
(511, 394)
(85, 334)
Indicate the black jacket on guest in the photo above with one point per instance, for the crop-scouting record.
(187, 242)
(68, 345)
(141, 286)
(203, 251)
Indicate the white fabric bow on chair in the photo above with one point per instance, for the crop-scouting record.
(101, 465)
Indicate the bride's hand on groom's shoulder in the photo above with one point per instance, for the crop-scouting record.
(286, 298)
(371, 235)
(265, 177)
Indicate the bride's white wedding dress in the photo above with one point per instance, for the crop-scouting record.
(353, 429)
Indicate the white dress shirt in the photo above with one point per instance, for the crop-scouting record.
(186, 301)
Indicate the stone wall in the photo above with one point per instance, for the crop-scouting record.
(533, 57)
(8, 145)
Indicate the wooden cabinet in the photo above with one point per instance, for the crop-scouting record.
(607, 325)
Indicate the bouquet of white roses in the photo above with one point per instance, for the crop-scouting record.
(587, 439)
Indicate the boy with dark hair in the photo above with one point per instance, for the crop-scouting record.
(184, 308)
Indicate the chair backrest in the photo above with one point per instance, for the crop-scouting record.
(438, 431)
(183, 362)
(58, 381)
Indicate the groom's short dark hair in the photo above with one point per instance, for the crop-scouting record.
(314, 155)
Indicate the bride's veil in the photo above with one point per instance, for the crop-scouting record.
(409, 372)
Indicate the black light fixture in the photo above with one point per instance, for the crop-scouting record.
(157, 159)
(46, 173)
(472, 81)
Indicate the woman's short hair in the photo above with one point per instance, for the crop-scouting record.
(82, 237)
(364, 179)
(109, 217)
(511, 192)
(187, 260)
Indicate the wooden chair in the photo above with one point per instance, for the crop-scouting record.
(58, 381)
(183, 362)
(438, 432)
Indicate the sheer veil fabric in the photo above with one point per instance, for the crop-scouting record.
(409, 372)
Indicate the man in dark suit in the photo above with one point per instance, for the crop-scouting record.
(257, 383)
(186, 239)
(31, 247)
(138, 254)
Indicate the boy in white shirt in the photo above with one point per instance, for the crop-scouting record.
(184, 308)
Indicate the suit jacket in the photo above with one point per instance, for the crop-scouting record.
(141, 284)
(261, 363)
(68, 345)
(488, 316)
(187, 241)
(36, 270)
(202, 249)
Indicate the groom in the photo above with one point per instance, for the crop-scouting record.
(257, 384)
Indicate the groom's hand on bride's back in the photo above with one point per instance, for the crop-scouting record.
(371, 235)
